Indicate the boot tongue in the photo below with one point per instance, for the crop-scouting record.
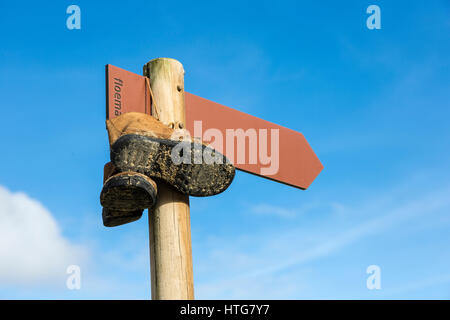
(136, 123)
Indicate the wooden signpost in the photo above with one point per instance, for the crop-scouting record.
(254, 145)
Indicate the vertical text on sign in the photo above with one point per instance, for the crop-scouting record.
(118, 84)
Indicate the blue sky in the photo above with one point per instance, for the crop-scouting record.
(374, 105)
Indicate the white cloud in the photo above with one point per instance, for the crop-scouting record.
(421, 284)
(254, 264)
(32, 248)
(275, 210)
(267, 209)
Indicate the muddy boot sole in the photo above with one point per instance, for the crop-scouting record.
(153, 157)
(128, 192)
(118, 218)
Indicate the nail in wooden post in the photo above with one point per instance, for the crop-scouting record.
(169, 221)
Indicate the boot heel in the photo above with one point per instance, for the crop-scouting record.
(128, 191)
(117, 218)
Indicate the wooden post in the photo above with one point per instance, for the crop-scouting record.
(169, 221)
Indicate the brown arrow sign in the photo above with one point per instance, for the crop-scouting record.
(252, 144)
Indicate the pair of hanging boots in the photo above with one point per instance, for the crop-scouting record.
(144, 150)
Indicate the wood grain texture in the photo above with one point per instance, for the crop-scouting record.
(169, 221)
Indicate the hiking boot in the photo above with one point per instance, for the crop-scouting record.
(125, 195)
(117, 218)
(140, 143)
